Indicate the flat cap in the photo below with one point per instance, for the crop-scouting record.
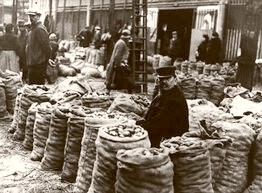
(33, 11)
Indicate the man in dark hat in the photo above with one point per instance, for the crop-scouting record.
(38, 49)
(167, 115)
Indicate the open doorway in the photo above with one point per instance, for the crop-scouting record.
(181, 21)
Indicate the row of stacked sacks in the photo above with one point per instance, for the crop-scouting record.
(55, 124)
(244, 128)
(210, 159)
(10, 83)
(210, 87)
(105, 151)
(226, 69)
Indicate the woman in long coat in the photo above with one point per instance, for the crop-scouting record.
(117, 76)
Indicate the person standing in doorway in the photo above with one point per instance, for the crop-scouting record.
(38, 49)
(164, 40)
(175, 47)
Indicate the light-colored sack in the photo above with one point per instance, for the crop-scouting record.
(150, 167)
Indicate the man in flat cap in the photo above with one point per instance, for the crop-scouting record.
(38, 49)
(167, 115)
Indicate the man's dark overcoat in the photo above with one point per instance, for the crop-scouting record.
(167, 116)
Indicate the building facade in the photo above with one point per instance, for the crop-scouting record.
(191, 18)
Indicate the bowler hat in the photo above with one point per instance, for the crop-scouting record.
(165, 72)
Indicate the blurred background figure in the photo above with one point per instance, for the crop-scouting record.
(2, 29)
(164, 40)
(97, 37)
(54, 45)
(28, 26)
(85, 37)
(201, 53)
(52, 67)
(107, 43)
(9, 50)
(175, 47)
(214, 49)
(246, 60)
(22, 39)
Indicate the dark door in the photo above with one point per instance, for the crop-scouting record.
(181, 21)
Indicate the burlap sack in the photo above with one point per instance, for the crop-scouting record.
(41, 130)
(88, 149)
(256, 185)
(31, 94)
(54, 150)
(144, 170)
(3, 107)
(12, 82)
(109, 141)
(188, 86)
(203, 111)
(75, 130)
(128, 103)
(203, 88)
(192, 166)
(97, 100)
(217, 89)
(30, 121)
(233, 177)
(14, 123)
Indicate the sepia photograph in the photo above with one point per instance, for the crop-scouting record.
(130, 96)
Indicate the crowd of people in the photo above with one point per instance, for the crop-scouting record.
(116, 48)
(27, 48)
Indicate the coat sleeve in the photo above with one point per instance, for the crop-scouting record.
(42, 38)
(119, 53)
